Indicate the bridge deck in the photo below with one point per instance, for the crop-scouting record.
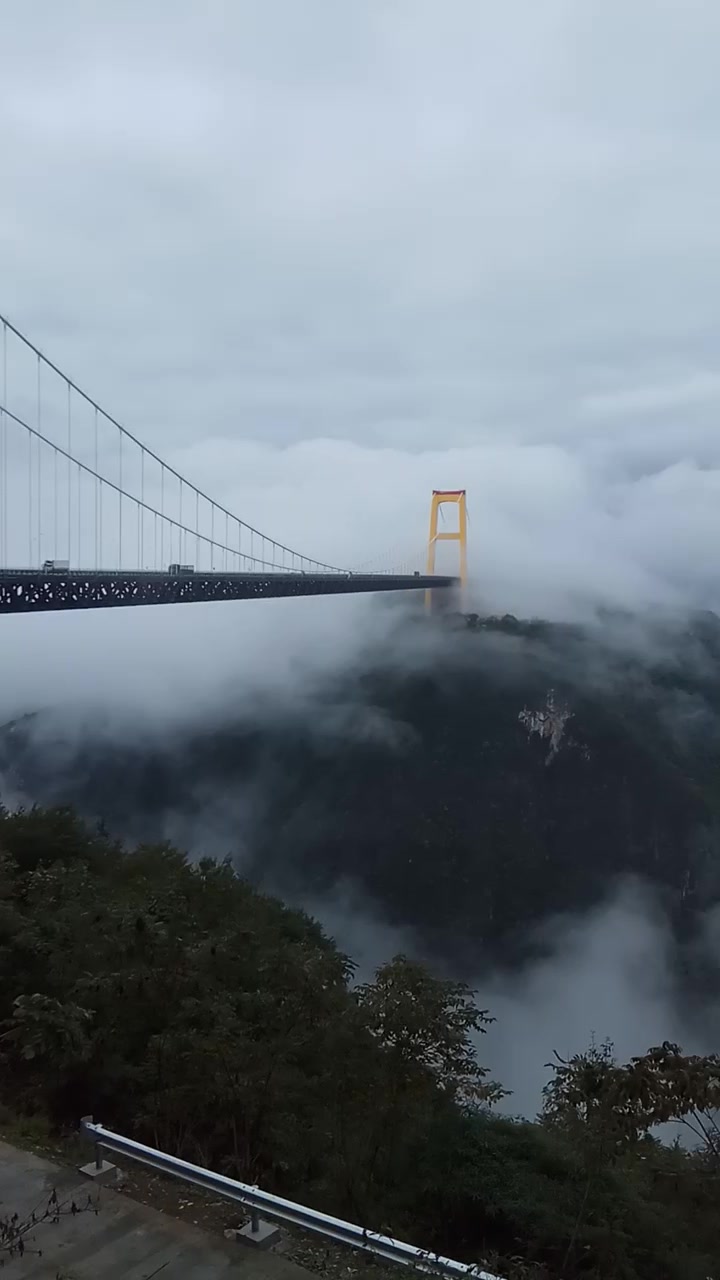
(36, 591)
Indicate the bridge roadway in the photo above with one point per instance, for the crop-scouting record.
(38, 591)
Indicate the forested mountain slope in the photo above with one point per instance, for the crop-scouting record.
(177, 1004)
(469, 779)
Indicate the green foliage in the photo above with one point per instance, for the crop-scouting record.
(46, 1029)
(607, 1108)
(426, 1022)
(581, 1099)
(179, 1005)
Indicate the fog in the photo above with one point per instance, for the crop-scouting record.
(609, 975)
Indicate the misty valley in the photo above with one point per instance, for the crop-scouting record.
(433, 945)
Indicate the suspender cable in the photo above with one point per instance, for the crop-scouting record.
(39, 461)
(120, 506)
(4, 556)
(98, 502)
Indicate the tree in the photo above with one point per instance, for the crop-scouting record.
(421, 1061)
(43, 1028)
(582, 1097)
(428, 1022)
(613, 1107)
(665, 1085)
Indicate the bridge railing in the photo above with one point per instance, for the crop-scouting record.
(275, 1207)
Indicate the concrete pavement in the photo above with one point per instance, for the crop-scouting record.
(124, 1240)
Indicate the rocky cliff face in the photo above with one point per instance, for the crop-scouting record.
(468, 788)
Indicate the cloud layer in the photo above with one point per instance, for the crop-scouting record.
(325, 260)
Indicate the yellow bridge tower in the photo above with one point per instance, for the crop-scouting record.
(439, 498)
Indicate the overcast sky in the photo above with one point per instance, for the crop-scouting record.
(326, 256)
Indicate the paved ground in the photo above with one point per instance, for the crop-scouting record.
(123, 1240)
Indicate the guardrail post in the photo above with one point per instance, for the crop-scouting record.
(99, 1169)
(259, 1232)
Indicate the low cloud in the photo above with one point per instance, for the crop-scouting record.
(610, 974)
(548, 537)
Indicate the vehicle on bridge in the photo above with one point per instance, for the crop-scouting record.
(180, 570)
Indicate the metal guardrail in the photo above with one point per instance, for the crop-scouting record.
(276, 1207)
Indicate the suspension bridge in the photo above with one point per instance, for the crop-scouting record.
(90, 517)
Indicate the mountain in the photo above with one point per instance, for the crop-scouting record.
(469, 779)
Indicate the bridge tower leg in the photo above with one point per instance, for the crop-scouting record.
(439, 498)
